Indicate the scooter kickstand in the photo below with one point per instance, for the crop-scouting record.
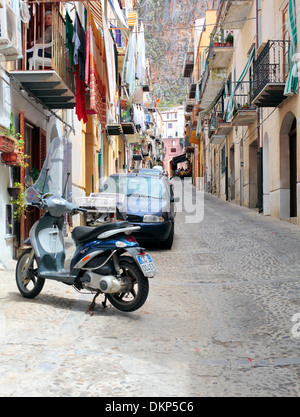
(93, 303)
(104, 302)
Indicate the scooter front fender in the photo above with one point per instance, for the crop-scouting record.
(26, 244)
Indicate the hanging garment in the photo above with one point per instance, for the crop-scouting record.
(129, 62)
(141, 62)
(79, 40)
(96, 73)
(110, 61)
(80, 109)
(69, 41)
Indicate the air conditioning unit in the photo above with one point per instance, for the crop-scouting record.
(10, 33)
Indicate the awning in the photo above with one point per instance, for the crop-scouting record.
(178, 159)
(292, 83)
(132, 18)
(230, 108)
(207, 110)
(193, 138)
(114, 129)
(96, 10)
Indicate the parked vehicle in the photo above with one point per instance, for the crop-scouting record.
(107, 259)
(149, 204)
(148, 171)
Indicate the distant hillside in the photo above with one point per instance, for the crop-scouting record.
(167, 32)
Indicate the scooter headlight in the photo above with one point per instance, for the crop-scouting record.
(150, 218)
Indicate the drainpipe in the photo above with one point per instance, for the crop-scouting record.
(259, 147)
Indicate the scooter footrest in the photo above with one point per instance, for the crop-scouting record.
(59, 276)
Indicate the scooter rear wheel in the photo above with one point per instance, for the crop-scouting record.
(32, 285)
(138, 289)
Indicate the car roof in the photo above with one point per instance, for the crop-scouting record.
(160, 177)
(147, 171)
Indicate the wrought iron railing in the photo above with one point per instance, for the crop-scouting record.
(57, 52)
(272, 65)
(219, 115)
(243, 96)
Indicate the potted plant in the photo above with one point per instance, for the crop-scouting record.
(14, 191)
(17, 157)
(229, 39)
(19, 203)
(136, 150)
(217, 39)
(7, 141)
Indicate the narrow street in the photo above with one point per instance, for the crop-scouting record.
(218, 320)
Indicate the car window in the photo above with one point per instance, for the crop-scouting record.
(140, 186)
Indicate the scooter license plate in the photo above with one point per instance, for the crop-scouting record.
(146, 264)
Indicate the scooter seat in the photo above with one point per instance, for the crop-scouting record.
(84, 233)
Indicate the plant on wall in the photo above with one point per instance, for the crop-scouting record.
(19, 203)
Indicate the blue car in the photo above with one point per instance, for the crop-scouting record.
(149, 203)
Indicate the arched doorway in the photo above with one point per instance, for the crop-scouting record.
(266, 175)
(288, 166)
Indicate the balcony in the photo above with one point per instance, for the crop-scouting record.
(211, 84)
(221, 56)
(218, 127)
(50, 80)
(233, 13)
(189, 105)
(270, 73)
(221, 50)
(244, 111)
(188, 64)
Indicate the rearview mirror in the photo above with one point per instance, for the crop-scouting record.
(28, 181)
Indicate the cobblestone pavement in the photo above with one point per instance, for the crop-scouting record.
(218, 320)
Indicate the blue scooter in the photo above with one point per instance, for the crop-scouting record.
(107, 260)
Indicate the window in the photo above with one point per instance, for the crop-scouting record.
(170, 125)
(173, 143)
(173, 149)
(9, 219)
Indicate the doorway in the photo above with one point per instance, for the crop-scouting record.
(266, 175)
(288, 167)
(293, 169)
(253, 161)
(232, 174)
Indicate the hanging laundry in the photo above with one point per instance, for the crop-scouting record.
(69, 41)
(79, 40)
(80, 109)
(96, 72)
(141, 62)
(129, 62)
(110, 61)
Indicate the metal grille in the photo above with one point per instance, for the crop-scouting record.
(271, 67)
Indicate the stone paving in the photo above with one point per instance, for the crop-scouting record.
(218, 320)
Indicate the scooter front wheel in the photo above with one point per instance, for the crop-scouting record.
(137, 288)
(31, 285)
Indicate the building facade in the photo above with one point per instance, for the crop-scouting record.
(249, 107)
